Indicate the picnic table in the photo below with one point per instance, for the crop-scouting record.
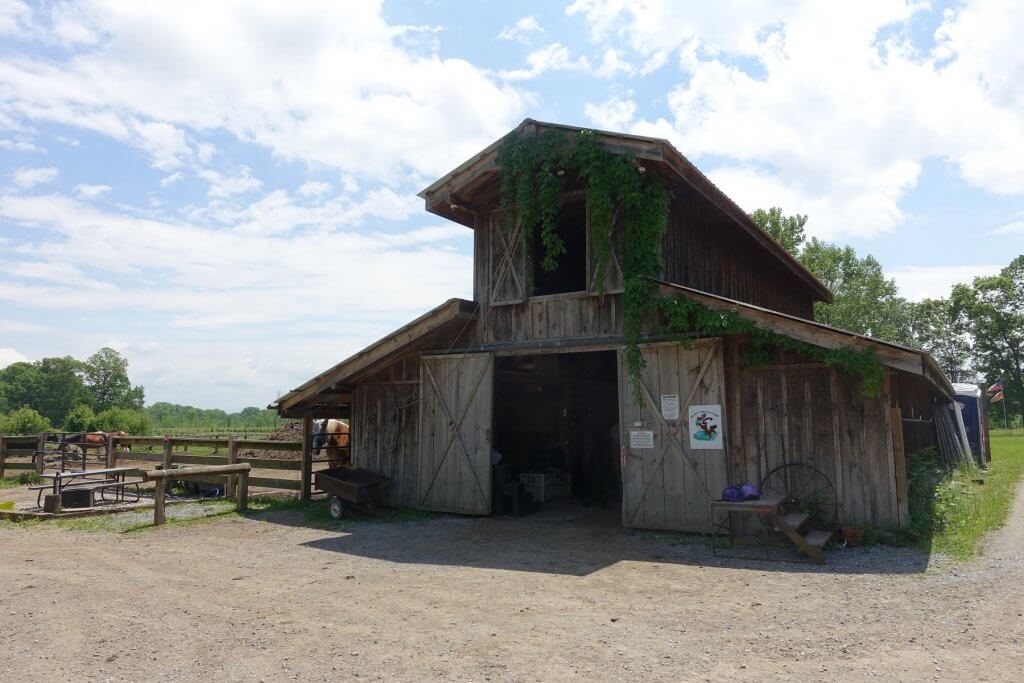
(110, 478)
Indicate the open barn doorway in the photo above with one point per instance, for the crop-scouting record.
(556, 432)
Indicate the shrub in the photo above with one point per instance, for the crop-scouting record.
(123, 420)
(24, 421)
(81, 418)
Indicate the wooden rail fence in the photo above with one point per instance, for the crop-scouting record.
(167, 451)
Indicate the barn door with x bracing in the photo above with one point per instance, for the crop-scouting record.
(667, 484)
(507, 259)
(456, 402)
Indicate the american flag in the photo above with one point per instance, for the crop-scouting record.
(998, 386)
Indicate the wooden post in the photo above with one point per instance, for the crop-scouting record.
(242, 497)
(159, 491)
(232, 459)
(111, 451)
(168, 452)
(40, 449)
(3, 454)
(306, 490)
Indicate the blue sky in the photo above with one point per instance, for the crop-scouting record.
(225, 191)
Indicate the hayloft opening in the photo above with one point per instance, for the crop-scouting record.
(556, 431)
(570, 275)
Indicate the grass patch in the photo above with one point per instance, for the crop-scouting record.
(950, 512)
(22, 479)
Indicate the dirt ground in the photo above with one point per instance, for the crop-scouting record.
(539, 598)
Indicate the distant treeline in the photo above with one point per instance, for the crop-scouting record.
(173, 416)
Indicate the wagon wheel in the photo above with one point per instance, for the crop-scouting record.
(336, 508)
(804, 489)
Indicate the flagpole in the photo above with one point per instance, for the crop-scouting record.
(1006, 425)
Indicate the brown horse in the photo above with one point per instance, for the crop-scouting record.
(332, 436)
(86, 440)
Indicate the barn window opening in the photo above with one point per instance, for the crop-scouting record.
(570, 274)
(556, 439)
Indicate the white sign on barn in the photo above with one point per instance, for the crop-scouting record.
(704, 423)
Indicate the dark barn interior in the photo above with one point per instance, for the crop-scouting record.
(557, 415)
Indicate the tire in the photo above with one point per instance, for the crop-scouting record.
(336, 508)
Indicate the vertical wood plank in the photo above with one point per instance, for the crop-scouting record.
(306, 473)
(232, 479)
(3, 453)
(159, 498)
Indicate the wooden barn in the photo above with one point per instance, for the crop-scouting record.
(527, 382)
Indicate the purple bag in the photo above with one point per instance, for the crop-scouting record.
(750, 492)
(733, 494)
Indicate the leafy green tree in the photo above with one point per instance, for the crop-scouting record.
(24, 421)
(788, 231)
(51, 386)
(937, 329)
(123, 420)
(866, 302)
(106, 374)
(993, 308)
(80, 419)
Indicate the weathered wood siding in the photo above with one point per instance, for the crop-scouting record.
(795, 411)
(704, 249)
(671, 486)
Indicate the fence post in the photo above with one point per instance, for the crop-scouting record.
(306, 486)
(242, 498)
(158, 501)
(168, 452)
(232, 459)
(40, 452)
(111, 451)
(3, 454)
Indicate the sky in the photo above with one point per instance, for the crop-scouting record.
(226, 192)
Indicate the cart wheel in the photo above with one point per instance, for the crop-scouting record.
(804, 489)
(336, 508)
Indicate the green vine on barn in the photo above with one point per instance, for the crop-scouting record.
(532, 185)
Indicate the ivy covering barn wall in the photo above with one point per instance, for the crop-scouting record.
(534, 169)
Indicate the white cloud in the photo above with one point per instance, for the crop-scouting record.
(9, 326)
(213, 279)
(317, 82)
(169, 180)
(613, 64)
(9, 356)
(239, 182)
(935, 282)
(829, 109)
(26, 178)
(314, 188)
(86, 191)
(167, 144)
(553, 57)
(1012, 228)
(14, 16)
(612, 114)
(19, 145)
(522, 31)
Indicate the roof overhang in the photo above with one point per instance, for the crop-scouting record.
(333, 387)
(460, 193)
(892, 355)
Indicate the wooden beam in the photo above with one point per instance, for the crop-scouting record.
(803, 330)
(306, 490)
(3, 453)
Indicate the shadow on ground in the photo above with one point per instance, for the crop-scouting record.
(572, 542)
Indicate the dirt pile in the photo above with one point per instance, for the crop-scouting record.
(290, 431)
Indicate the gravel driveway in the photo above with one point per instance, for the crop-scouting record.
(269, 598)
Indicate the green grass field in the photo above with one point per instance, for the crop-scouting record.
(952, 511)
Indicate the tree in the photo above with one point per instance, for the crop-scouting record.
(993, 308)
(51, 386)
(123, 420)
(80, 419)
(865, 301)
(937, 329)
(106, 375)
(788, 231)
(24, 421)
